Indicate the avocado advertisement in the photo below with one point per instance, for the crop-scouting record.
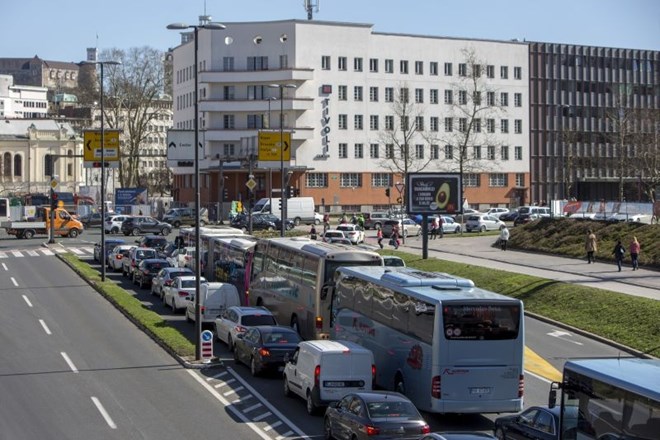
(432, 193)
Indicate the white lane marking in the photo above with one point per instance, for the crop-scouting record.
(33, 253)
(60, 250)
(255, 406)
(68, 361)
(17, 254)
(262, 416)
(27, 301)
(559, 334)
(13, 280)
(4, 266)
(222, 384)
(230, 407)
(104, 413)
(242, 399)
(47, 252)
(285, 435)
(272, 426)
(76, 251)
(3, 255)
(538, 377)
(46, 329)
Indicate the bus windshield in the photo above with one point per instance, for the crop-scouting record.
(481, 322)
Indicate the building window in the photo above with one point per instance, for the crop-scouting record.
(389, 122)
(490, 99)
(449, 124)
(462, 69)
(419, 96)
(350, 180)
(284, 61)
(358, 151)
(476, 97)
(256, 93)
(403, 67)
(476, 70)
(517, 126)
(476, 152)
(433, 68)
(389, 94)
(419, 123)
(462, 125)
(381, 180)
(517, 72)
(405, 122)
(462, 97)
(316, 180)
(325, 63)
(229, 93)
(18, 165)
(504, 125)
(255, 121)
(505, 152)
(342, 93)
(373, 64)
(228, 64)
(373, 122)
(389, 151)
(229, 150)
(490, 125)
(341, 63)
(358, 122)
(357, 64)
(504, 72)
(449, 152)
(434, 122)
(257, 63)
(403, 95)
(357, 93)
(419, 67)
(342, 120)
(373, 94)
(449, 97)
(433, 96)
(497, 180)
(343, 151)
(520, 180)
(448, 69)
(472, 180)
(517, 99)
(504, 99)
(517, 153)
(490, 71)
(228, 122)
(435, 152)
(491, 152)
(389, 66)
(419, 151)
(374, 151)
(476, 125)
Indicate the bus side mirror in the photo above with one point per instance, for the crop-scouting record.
(552, 395)
(324, 291)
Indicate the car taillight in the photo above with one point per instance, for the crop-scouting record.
(317, 375)
(373, 376)
(436, 387)
(201, 309)
(371, 430)
(521, 385)
(168, 283)
(187, 258)
(119, 256)
(319, 322)
(264, 352)
(425, 429)
(183, 293)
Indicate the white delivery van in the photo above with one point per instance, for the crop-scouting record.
(299, 209)
(214, 298)
(324, 371)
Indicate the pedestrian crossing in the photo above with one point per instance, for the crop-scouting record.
(85, 251)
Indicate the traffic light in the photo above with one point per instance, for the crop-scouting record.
(387, 192)
(290, 191)
(53, 199)
(280, 205)
(296, 192)
(225, 194)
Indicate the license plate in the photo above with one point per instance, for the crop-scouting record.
(333, 384)
(483, 390)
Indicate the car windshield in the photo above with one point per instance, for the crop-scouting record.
(382, 410)
(253, 320)
(279, 337)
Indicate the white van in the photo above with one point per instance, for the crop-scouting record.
(214, 298)
(324, 371)
(299, 209)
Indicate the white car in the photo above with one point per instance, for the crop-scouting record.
(180, 292)
(483, 223)
(117, 255)
(237, 319)
(182, 257)
(330, 234)
(352, 232)
(112, 224)
(165, 277)
(497, 212)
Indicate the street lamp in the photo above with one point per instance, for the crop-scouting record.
(270, 170)
(102, 255)
(198, 275)
(283, 194)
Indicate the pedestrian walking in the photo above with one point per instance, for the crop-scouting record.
(379, 237)
(394, 238)
(619, 251)
(635, 247)
(504, 237)
(441, 232)
(326, 222)
(312, 233)
(434, 228)
(591, 246)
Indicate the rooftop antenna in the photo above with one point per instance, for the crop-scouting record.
(311, 6)
(204, 19)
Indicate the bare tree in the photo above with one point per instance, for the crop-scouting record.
(647, 148)
(158, 181)
(135, 94)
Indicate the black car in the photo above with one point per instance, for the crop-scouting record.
(153, 241)
(260, 222)
(139, 224)
(370, 414)
(264, 347)
(509, 216)
(91, 219)
(147, 270)
(522, 219)
(535, 423)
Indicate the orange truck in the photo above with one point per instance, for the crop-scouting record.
(65, 224)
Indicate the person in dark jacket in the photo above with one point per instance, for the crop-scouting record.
(619, 251)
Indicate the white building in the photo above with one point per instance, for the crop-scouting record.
(17, 101)
(347, 80)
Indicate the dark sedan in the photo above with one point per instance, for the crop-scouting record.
(260, 222)
(264, 347)
(147, 270)
(535, 423)
(91, 219)
(139, 224)
(509, 216)
(373, 415)
(110, 244)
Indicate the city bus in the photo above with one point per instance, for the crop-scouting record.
(448, 346)
(230, 259)
(291, 277)
(608, 399)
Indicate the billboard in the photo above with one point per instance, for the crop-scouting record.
(433, 193)
(130, 196)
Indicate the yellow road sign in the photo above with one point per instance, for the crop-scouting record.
(92, 145)
(269, 146)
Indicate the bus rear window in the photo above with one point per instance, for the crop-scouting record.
(481, 322)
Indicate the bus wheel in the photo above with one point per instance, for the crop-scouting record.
(294, 325)
(500, 434)
(399, 386)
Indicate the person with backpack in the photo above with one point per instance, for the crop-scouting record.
(619, 251)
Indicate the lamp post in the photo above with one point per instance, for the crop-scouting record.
(198, 319)
(270, 170)
(101, 64)
(283, 194)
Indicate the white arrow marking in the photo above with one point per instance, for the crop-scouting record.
(560, 334)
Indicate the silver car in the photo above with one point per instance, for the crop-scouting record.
(407, 227)
(483, 223)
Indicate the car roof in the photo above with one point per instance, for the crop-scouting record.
(245, 310)
(379, 396)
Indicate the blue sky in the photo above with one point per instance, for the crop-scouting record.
(62, 30)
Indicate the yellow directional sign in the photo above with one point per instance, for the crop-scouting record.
(92, 145)
(269, 146)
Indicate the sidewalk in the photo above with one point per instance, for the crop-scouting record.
(479, 252)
